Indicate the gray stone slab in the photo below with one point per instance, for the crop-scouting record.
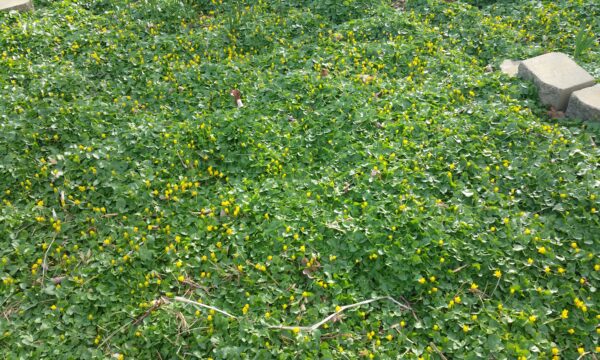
(510, 67)
(20, 5)
(556, 77)
(585, 104)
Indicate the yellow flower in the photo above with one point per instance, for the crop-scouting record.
(532, 318)
(422, 280)
(466, 328)
(542, 250)
(564, 314)
(497, 273)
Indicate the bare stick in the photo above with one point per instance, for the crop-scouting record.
(182, 163)
(411, 310)
(44, 264)
(342, 309)
(115, 332)
(583, 355)
(110, 215)
(158, 303)
(495, 287)
(435, 348)
(459, 268)
(188, 301)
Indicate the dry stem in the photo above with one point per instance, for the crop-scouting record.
(335, 314)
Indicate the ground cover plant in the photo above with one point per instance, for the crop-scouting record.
(381, 170)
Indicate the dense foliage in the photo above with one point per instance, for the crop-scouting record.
(378, 154)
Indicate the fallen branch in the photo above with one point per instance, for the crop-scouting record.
(180, 158)
(435, 348)
(335, 227)
(109, 215)
(495, 287)
(164, 300)
(115, 332)
(459, 268)
(158, 303)
(584, 355)
(203, 212)
(44, 263)
(188, 301)
(411, 310)
(335, 314)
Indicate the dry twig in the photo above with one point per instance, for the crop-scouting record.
(335, 314)
(44, 263)
(435, 348)
(188, 301)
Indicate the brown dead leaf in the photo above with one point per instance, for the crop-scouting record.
(366, 78)
(555, 114)
(309, 270)
(399, 4)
